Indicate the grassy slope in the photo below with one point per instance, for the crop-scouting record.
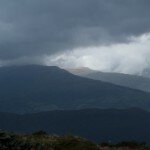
(42, 141)
(28, 89)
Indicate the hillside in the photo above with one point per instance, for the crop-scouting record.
(81, 71)
(132, 81)
(27, 89)
(146, 73)
(94, 124)
(127, 80)
(42, 141)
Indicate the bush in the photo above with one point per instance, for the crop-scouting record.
(40, 133)
(130, 144)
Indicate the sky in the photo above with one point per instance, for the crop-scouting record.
(106, 35)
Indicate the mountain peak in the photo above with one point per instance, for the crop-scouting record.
(35, 88)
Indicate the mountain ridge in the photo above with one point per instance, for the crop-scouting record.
(127, 80)
(94, 124)
(41, 88)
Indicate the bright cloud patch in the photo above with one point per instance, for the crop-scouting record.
(132, 57)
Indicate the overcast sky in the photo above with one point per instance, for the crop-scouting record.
(108, 35)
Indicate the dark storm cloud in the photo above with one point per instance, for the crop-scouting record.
(43, 27)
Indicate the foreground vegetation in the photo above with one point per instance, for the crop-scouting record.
(42, 141)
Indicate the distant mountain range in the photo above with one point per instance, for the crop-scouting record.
(81, 71)
(132, 81)
(146, 73)
(27, 89)
(95, 124)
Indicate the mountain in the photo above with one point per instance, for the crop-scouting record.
(27, 89)
(132, 81)
(146, 73)
(94, 124)
(81, 71)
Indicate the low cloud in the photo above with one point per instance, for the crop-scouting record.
(132, 57)
(32, 29)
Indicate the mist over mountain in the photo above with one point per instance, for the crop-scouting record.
(146, 73)
(132, 81)
(127, 80)
(81, 71)
(25, 89)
